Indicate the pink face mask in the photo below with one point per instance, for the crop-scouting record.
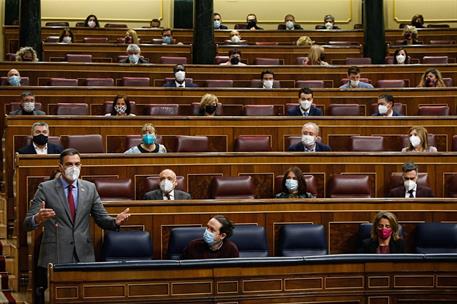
(384, 233)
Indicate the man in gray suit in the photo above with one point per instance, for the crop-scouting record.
(63, 206)
(167, 189)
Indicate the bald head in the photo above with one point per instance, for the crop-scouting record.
(168, 174)
(13, 72)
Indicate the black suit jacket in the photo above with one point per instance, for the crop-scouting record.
(299, 147)
(313, 111)
(157, 195)
(172, 84)
(222, 27)
(421, 191)
(52, 149)
(371, 246)
(21, 112)
(282, 26)
(395, 113)
(140, 60)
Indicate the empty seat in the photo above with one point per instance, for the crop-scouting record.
(435, 60)
(78, 57)
(192, 143)
(302, 240)
(454, 143)
(448, 81)
(72, 109)
(179, 238)
(252, 143)
(116, 25)
(250, 240)
(135, 81)
(57, 23)
(95, 39)
(267, 61)
(436, 238)
(438, 26)
(435, 41)
(232, 187)
(102, 82)
(367, 143)
(259, 110)
(114, 188)
(391, 83)
(451, 186)
(173, 60)
(310, 180)
(301, 60)
(221, 59)
(219, 83)
(433, 110)
(309, 84)
(126, 245)
(343, 110)
(59, 82)
(52, 39)
(349, 185)
(90, 143)
(358, 60)
(25, 81)
(161, 109)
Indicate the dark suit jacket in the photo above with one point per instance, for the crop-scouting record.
(371, 246)
(421, 191)
(299, 147)
(395, 113)
(172, 84)
(20, 112)
(282, 27)
(52, 149)
(222, 27)
(157, 195)
(313, 111)
(140, 60)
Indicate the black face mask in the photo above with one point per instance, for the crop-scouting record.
(234, 60)
(128, 40)
(252, 23)
(40, 140)
(210, 109)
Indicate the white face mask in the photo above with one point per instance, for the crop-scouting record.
(290, 25)
(382, 109)
(305, 104)
(236, 39)
(355, 83)
(166, 186)
(66, 39)
(72, 173)
(409, 184)
(91, 24)
(217, 24)
(328, 25)
(134, 58)
(180, 75)
(268, 84)
(308, 140)
(415, 140)
(401, 59)
(28, 106)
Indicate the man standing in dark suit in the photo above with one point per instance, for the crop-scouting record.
(167, 189)
(410, 188)
(180, 78)
(309, 141)
(40, 144)
(305, 105)
(386, 106)
(27, 105)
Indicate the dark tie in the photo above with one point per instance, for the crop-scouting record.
(167, 195)
(411, 193)
(71, 202)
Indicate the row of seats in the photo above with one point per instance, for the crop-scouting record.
(251, 240)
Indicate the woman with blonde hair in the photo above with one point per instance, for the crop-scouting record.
(148, 143)
(131, 37)
(432, 79)
(316, 55)
(208, 105)
(410, 35)
(304, 41)
(26, 53)
(385, 235)
(418, 141)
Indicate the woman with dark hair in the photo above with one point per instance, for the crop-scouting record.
(91, 21)
(121, 107)
(385, 235)
(66, 36)
(401, 57)
(293, 185)
(418, 21)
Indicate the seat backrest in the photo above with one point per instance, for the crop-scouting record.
(300, 60)
(52, 39)
(63, 82)
(251, 241)
(309, 84)
(252, 143)
(232, 187)
(192, 143)
(241, 26)
(438, 25)
(302, 240)
(72, 108)
(95, 39)
(219, 83)
(451, 186)
(433, 110)
(267, 61)
(292, 140)
(116, 25)
(78, 57)
(126, 245)
(135, 140)
(367, 143)
(404, 139)
(310, 180)
(114, 188)
(391, 83)
(344, 110)
(436, 238)
(89, 143)
(221, 59)
(108, 106)
(173, 60)
(257, 83)
(448, 81)
(365, 232)
(349, 185)
(153, 183)
(259, 110)
(435, 60)
(13, 106)
(57, 23)
(399, 107)
(454, 143)
(396, 179)
(161, 109)
(196, 108)
(179, 238)
(363, 79)
(358, 60)
(436, 41)
(136, 81)
(102, 82)
(24, 81)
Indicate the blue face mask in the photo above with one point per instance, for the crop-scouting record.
(291, 184)
(167, 40)
(134, 58)
(149, 139)
(208, 237)
(217, 24)
(14, 80)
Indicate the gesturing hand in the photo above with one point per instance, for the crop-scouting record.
(44, 214)
(122, 217)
